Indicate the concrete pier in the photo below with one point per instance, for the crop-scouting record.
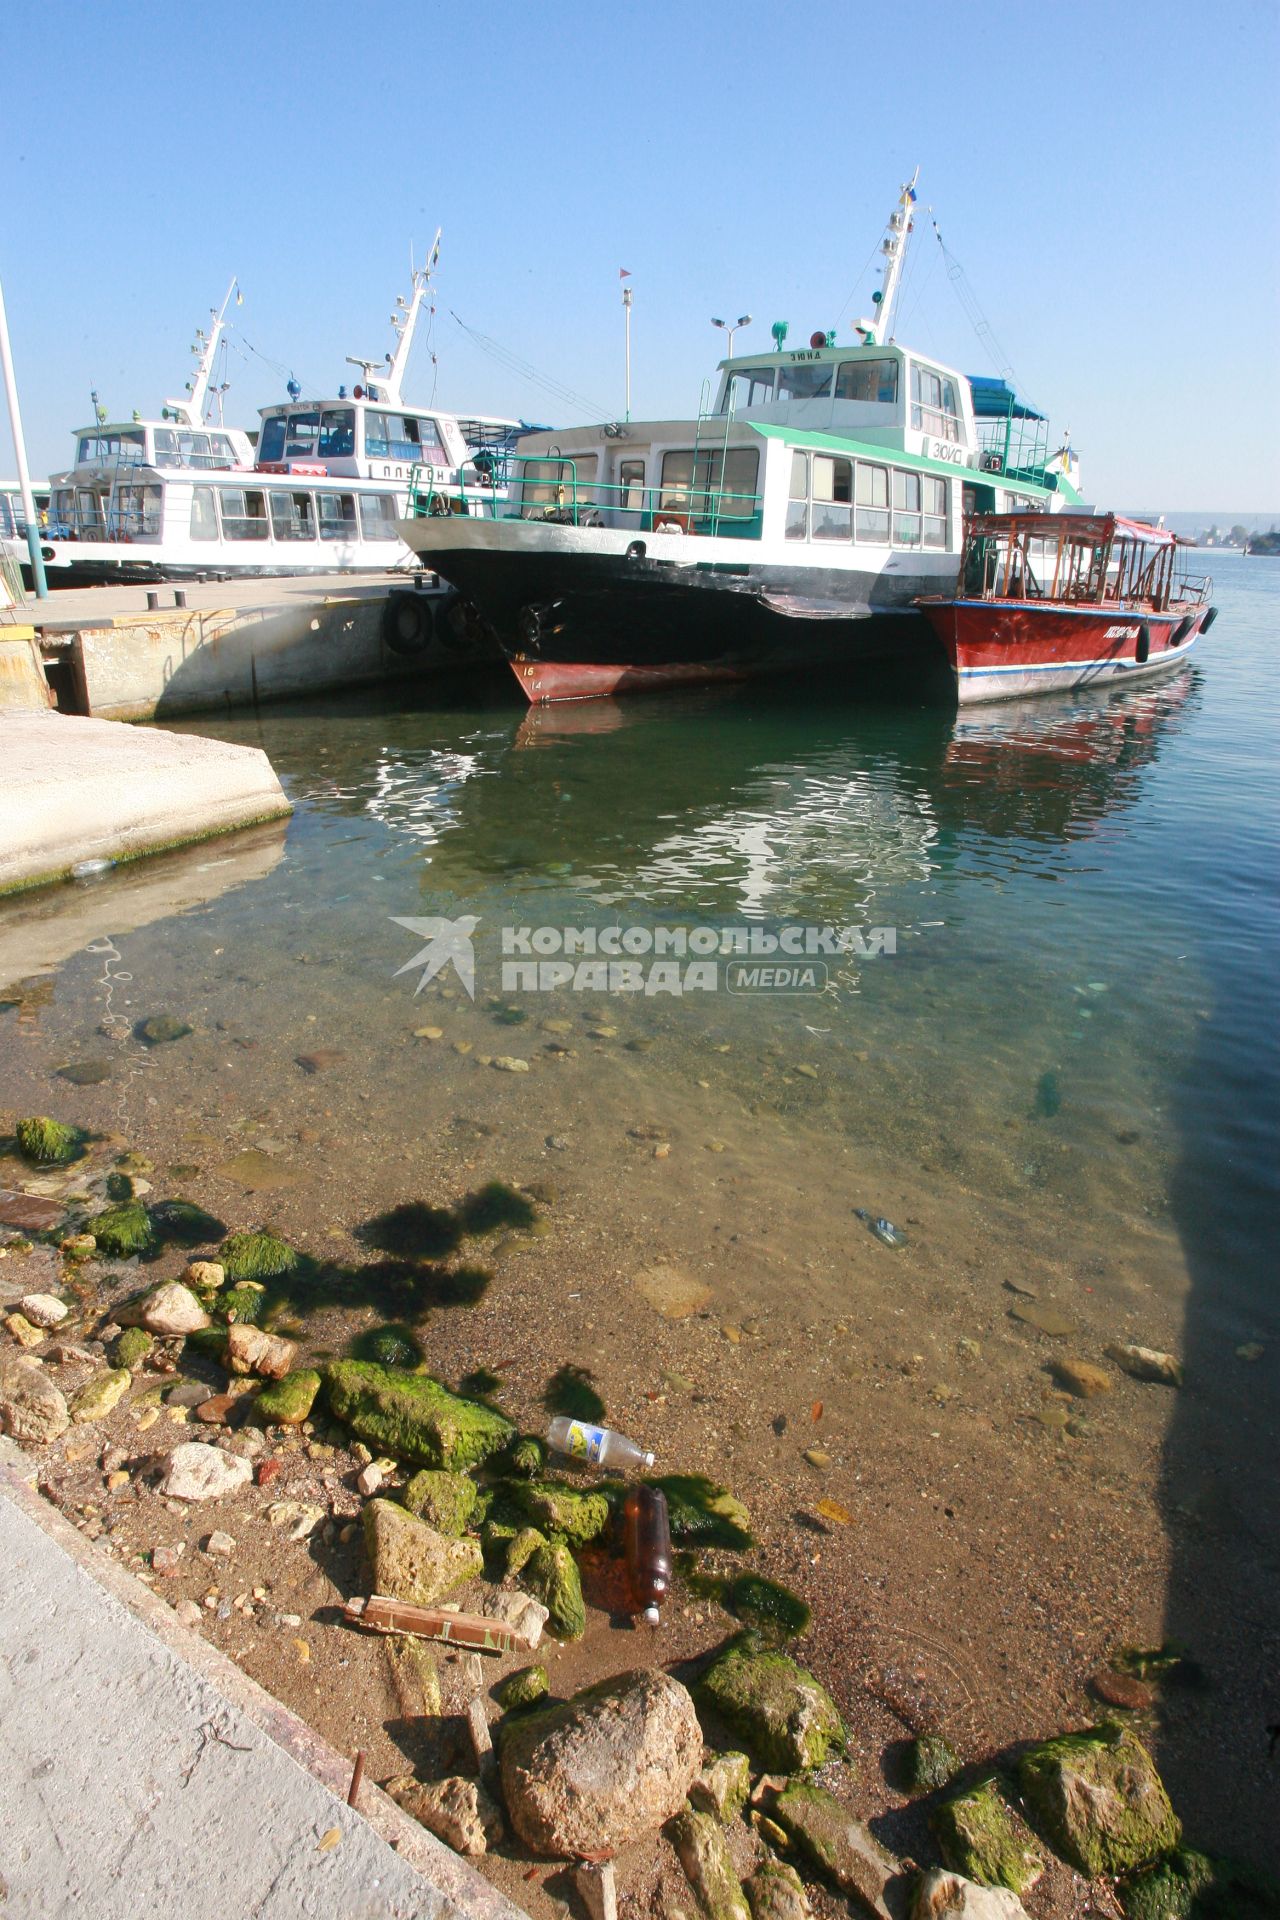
(105, 651)
(73, 790)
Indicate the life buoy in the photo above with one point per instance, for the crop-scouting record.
(409, 622)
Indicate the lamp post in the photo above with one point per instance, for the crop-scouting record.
(743, 320)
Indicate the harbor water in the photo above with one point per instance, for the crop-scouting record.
(1049, 1060)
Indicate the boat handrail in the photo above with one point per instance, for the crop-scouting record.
(580, 502)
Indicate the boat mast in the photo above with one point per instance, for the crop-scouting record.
(189, 412)
(385, 387)
(894, 248)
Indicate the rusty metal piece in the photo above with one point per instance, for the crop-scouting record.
(357, 1775)
(383, 1615)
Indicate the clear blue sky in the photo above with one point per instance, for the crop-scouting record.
(1106, 173)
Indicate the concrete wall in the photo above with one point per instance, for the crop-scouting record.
(22, 681)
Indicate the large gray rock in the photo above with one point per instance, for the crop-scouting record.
(457, 1811)
(699, 1840)
(949, 1896)
(169, 1309)
(842, 1848)
(613, 1762)
(410, 1560)
(1098, 1800)
(200, 1472)
(31, 1407)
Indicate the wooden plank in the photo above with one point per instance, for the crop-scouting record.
(382, 1615)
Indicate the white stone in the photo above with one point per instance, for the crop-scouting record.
(197, 1471)
(42, 1310)
(170, 1309)
(949, 1896)
(220, 1543)
(525, 1615)
(369, 1479)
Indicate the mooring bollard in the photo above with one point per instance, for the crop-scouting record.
(179, 597)
(153, 602)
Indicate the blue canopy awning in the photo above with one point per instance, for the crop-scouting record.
(996, 400)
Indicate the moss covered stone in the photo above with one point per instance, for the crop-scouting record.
(132, 1347)
(100, 1393)
(774, 1611)
(980, 1835)
(776, 1892)
(256, 1256)
(842, 1848)
(521, 1548)
(414, 1675)
(1097, 1799)
(446, 1501)
(242, 1306)
(412, 1417)
(522, 1689)
(703, 1514)
(288, 1401)
(931, 1762)
(1191, 1886)
(698, 1839)
(410, 1560)
(526, 1457)
(787, 1718)
(48, 1142)
(722, 1786)
(551, 1575)
(565, 1511)
(124, 1231)
(394, 1345)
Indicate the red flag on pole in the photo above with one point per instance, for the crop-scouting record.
(624, 273)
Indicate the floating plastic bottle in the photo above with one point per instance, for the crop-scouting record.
(90, 869)
(595, 1446)
(647, 1534)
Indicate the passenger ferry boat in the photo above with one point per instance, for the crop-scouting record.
(796, 522)
(322, 491)
(1079, 600)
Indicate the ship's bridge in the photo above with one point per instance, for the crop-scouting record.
(353, 436)
(880, 393)
(161, 443)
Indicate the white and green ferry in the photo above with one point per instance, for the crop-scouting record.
(792, 523)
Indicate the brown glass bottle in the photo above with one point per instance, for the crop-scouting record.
(647, 1535)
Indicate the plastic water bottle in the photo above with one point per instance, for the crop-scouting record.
(647, 1534)
(595, 1446)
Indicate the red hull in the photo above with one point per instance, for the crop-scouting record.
(542, 680)
(1005, 649)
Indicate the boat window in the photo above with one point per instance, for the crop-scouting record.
(166, 447)
(221, 451)
(798, 502)
(137, 512)
(293, 516)
(244, 514)
(8, 518)
(204, 517)
(271, 440)
(337, 515)
(631, 486)
(120, 449)
(378, 516)
(832, 516)
(934, 406)
(89, 513)
(557, 483)
(875, 380)
(337, 433)
(906, 509)
(750, 387)
(934, 493)
(871, 493)
(399, 436)
(300, 435)
(804, 381)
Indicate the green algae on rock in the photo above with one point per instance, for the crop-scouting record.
(787, 1718)
(526, 1456)
(390, 1346)
(698, 1839)
(703, 1514)
(1192, 1886)
(776, 1892)
(1097, 1799)
(522, 1689)
(521, 1547)
(931, 1762)
(242, 1305)
(557, 1509)
(981, 1836)
(773, 1610)
(132, 1347)
(446, 1501)
(722, 1786)
(551, 1575)
(412, 1417)
(842, 1848)
(123, 1231)
(256, 1256)
(288, 1401)
(161, 1030)
(48, 1142)
(410, 1560)
(100, 1393)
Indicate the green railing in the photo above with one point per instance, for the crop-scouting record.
(1015, 449)
(548, 488)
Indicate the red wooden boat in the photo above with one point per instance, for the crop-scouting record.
(1049, 601)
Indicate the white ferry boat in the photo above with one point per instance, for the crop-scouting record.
(321, 492)
(795, 523)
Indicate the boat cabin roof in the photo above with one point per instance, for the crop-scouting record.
(1085, 529)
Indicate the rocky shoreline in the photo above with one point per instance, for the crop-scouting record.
(719, 1774)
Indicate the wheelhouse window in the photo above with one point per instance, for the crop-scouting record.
(803, 380)
(124, 449)
(798, 502)
(557, 484)
(301, 431)
(137, 512)
(204, 515)
(244, 514)
(271, 440)
(183, 447)
(871, 496)
(720, 482)
(293, 516)
(337, 513)
(873, 380)
(337, 433)
(403, 436)
(749, 387)
(832, 495)
(377, 516)
(935, 407)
